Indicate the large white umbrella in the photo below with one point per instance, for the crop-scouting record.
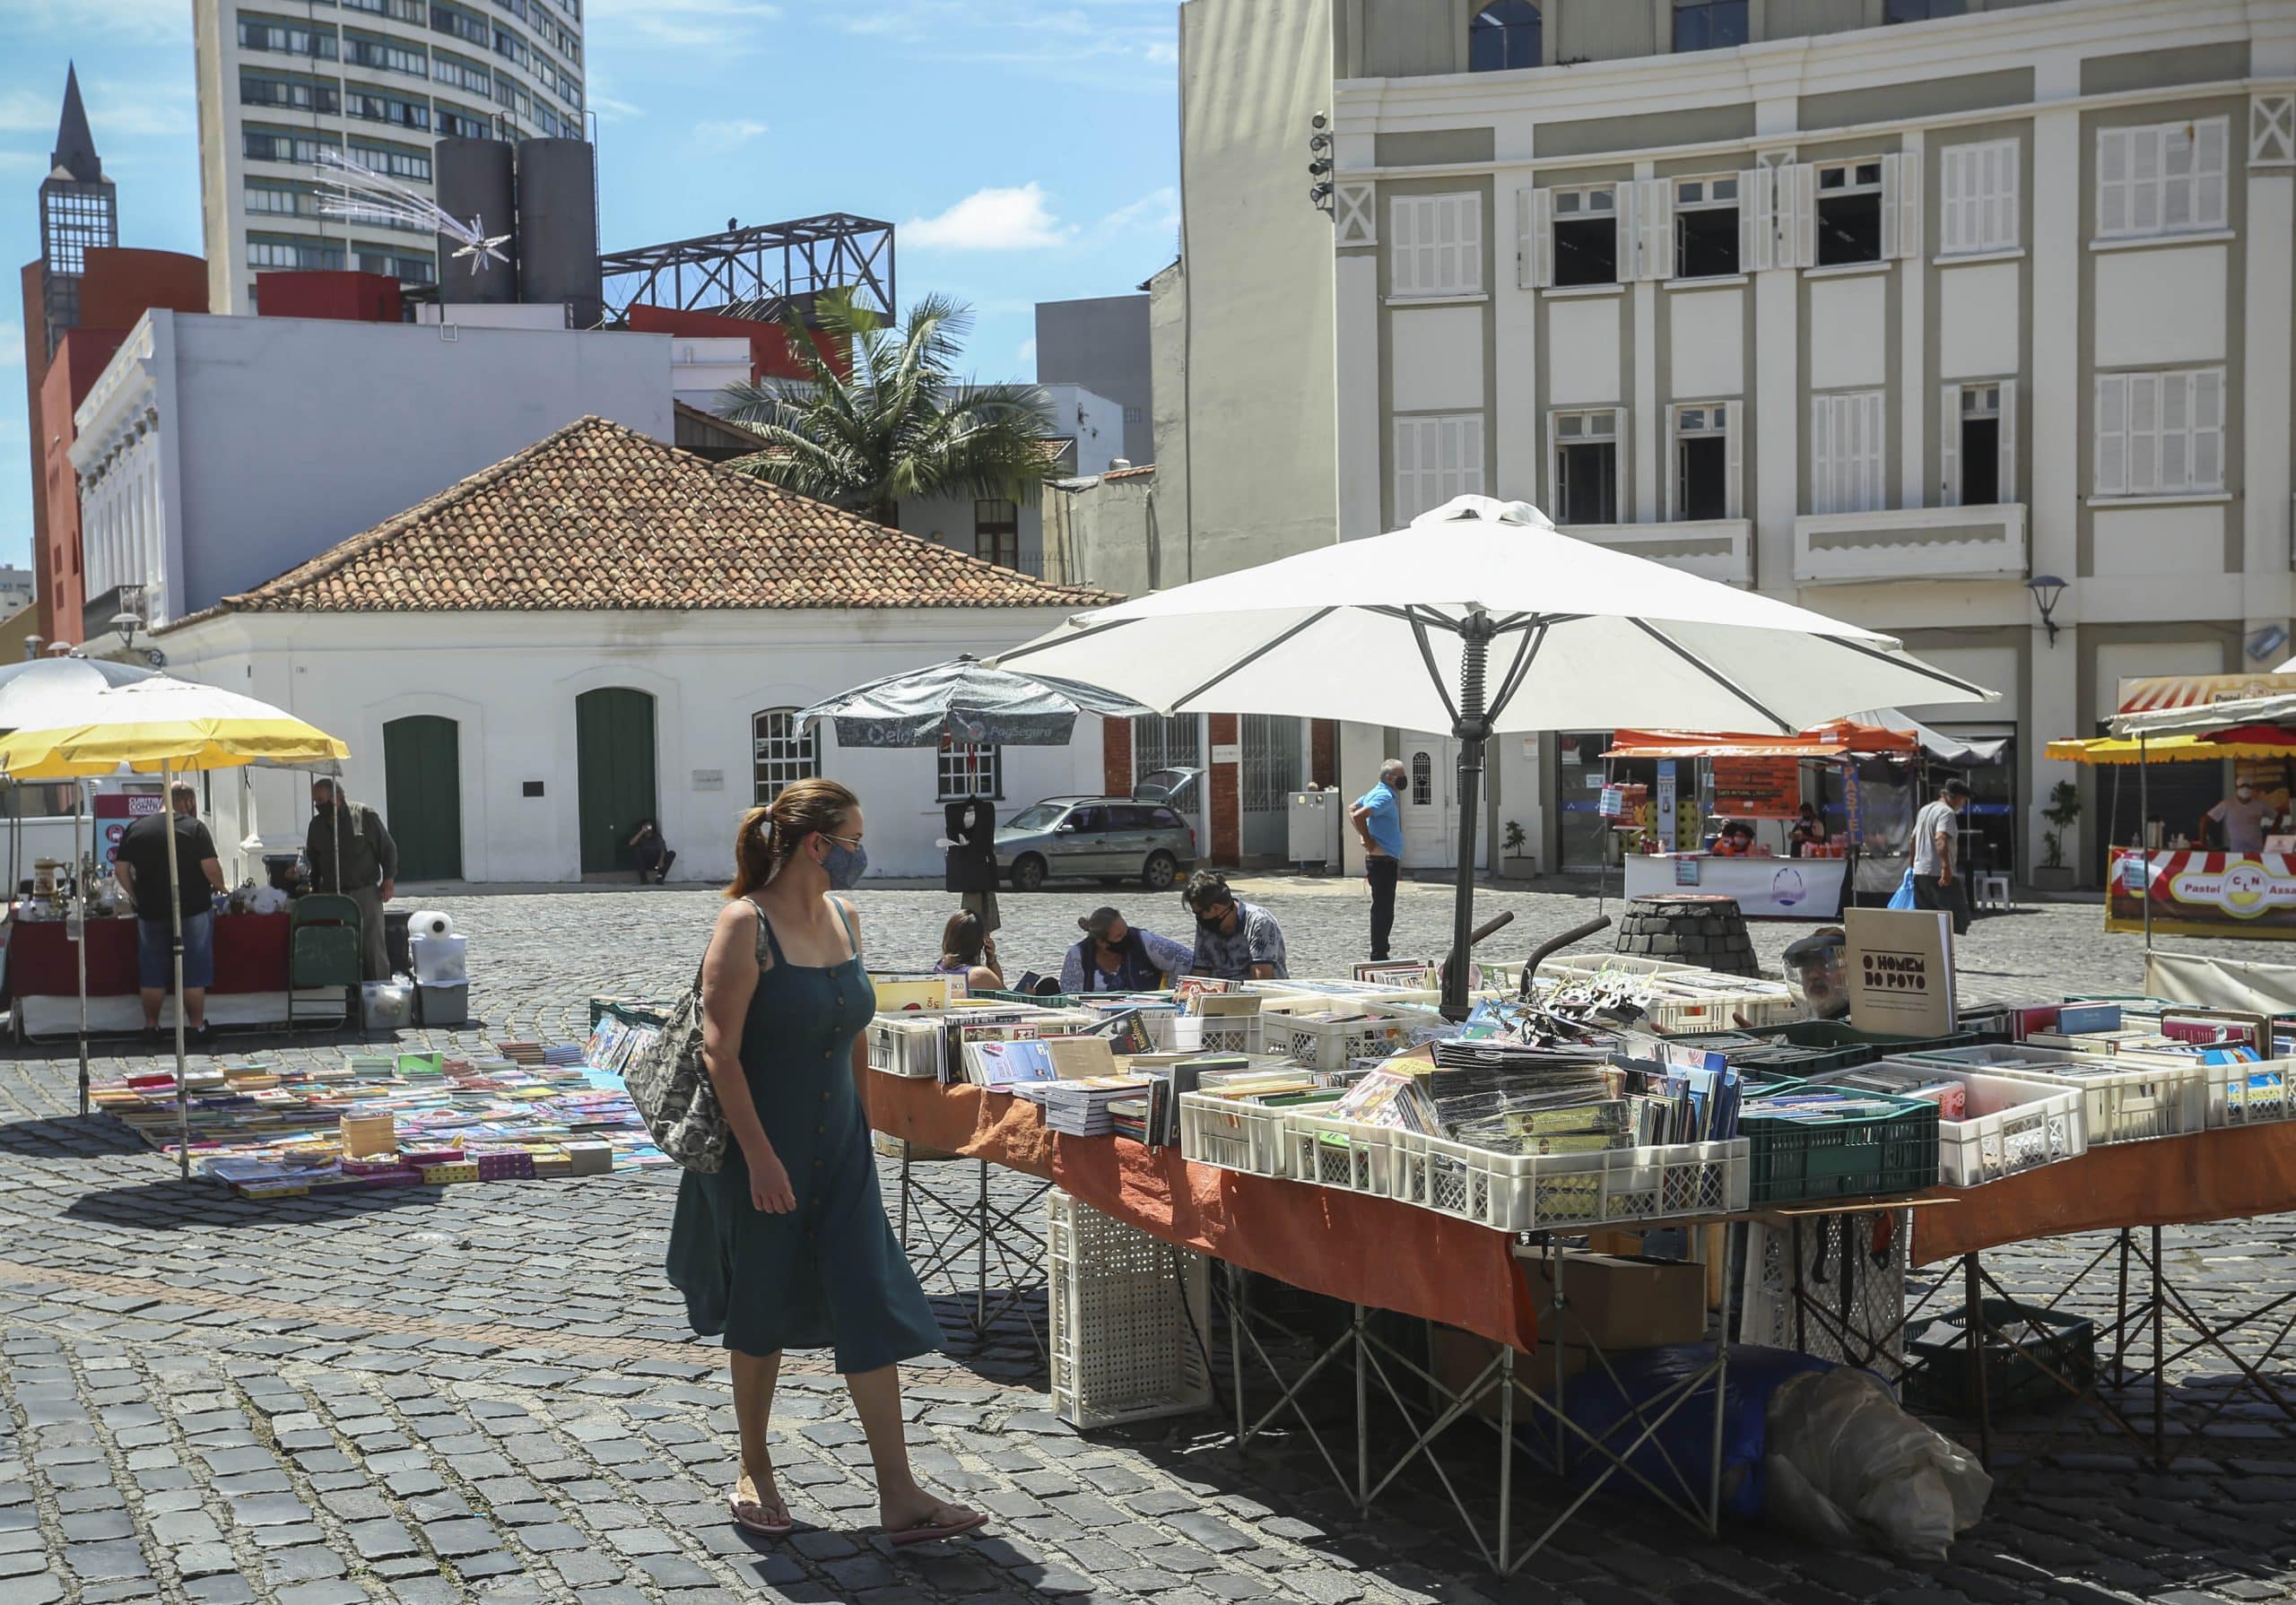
(166, 727)
(1482, 618)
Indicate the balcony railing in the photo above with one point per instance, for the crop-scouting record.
(1718, 549)
(1976, 542)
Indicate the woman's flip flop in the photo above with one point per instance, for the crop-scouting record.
(749, 1515)
(927, 1529)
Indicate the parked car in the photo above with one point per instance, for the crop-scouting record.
(1173, 786)
(1109, 838)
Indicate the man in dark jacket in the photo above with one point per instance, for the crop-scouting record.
(351, 851)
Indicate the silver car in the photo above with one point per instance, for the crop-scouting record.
(1107, 838)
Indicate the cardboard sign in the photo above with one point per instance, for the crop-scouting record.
(1900, 970)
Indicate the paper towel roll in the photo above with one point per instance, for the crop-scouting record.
(429, 921)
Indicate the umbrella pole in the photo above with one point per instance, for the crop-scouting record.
(1473, 730)
(80, 872)
(2144, 827)
(175, 942)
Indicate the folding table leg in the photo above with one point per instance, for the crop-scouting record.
(1973, 1320)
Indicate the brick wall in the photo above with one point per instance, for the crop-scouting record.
(1227, 793)
(1322, 753)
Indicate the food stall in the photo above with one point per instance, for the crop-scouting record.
(1858, 778)
(2162, 875)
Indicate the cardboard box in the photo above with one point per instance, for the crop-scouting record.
(1617, 1301)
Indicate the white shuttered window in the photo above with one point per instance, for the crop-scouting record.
(1435, 245)
(1848, 452)
(1977, 209)
(1436, 457)
(2165, 179)
(2159, 434)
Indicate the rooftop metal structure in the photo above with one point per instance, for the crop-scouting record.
(764, 271)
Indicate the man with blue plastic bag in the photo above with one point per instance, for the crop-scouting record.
(1936, 839)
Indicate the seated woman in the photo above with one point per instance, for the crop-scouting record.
(968, 950)
(1809, 831)
(1735, 841)
(1117, 957)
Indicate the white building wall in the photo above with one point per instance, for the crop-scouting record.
(510, 680)
(260, 442)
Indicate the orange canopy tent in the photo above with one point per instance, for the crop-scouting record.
(1840, 738)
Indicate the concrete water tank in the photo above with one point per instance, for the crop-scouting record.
(475, 183)
(558, 227)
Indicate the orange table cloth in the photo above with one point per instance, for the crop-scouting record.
(2226, 1175)
(1347, 1245)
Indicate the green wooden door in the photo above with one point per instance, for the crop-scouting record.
(423, 784)
(614, 739)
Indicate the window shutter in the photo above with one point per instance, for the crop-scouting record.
(1954, 193)
(1526, 234)
(1805, 215)
(2109, 467)
(1468, 211)
(1734, 501)
(1949, 446)
(2112, 180)
(2208, 430)
(1901, 194)
(1469, 432)
(1891, 230)
(1441, 271)
(1624, 217)
(2210, 139)
(1657, 204)
(1406, 483)
(1756, 217)
(1619, 513)
(1542, 238)
(1822, 465)
(2144, 433)
(2002, 229)
(2006, 473)
(1553, 506)
(1403, 271)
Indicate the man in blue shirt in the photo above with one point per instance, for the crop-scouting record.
(1377, 819)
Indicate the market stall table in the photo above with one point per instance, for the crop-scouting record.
(2203, 894)
(250, 985)
(1763, 888)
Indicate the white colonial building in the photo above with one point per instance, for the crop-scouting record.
(601, 629)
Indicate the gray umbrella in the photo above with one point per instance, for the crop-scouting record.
(964, 702)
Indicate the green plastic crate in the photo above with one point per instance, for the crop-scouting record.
(1042, 999)
(1793, 1161)
(1813, 1047)
(2018, 1358)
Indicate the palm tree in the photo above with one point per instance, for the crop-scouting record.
(896, 421)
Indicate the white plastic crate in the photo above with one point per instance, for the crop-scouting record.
(916, 1048)
(2011, 1124)
(2250, 1094)
(1337, 1043)
(1233, 1134)
(1873, 1288)
(2124, 1098)
(1519, 1193)
(1204, 1033)
(1341, 1153)
(1131, 1320)
(1586, 966)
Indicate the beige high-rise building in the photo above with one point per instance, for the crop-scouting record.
(376, 81)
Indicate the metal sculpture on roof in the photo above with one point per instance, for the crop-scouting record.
(360, 195)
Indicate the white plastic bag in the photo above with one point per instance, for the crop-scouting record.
(1845, 1466)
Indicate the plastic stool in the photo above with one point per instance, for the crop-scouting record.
(1993, 891)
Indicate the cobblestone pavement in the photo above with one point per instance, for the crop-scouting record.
(488, 1393)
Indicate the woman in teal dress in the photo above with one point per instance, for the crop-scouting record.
(787, 1246)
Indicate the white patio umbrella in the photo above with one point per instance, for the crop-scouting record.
(1482, 618)
(166, 727)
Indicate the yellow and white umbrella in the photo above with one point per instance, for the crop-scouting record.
(165, 727)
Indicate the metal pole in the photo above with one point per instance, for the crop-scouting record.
(80, 901)
(2144, 829)
(175, 931)
(2160, 1363)
(1973, 1320)
(1472, 731)
(1362, 1421)
(1721, 1390)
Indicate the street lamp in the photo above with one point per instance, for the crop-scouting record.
(2045, 589)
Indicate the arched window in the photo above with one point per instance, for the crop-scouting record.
(781, 752)
(1504, 34)
(1422, 780)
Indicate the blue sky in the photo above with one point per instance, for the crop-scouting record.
(1027, 149)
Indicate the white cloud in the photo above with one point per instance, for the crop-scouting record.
(724, 27)
(1156, 212)
(1026, 357)
(731, 131)
(991, 220)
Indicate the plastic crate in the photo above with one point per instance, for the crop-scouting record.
(1220, 1033)
(1342, 1154)
(1337, 1043)
(915, 1048)
(1131, 1320)
(2252, 1093)
(2011, 1124)
(1586, 966)
(2125, 1099)
(1793, 1160)
(1233, 1134)
(1518, 1192)
(1941, 1378)
(1813, 1047)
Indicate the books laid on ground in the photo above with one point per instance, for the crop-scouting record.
(1080, 1109)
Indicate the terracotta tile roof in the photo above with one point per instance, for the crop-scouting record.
(600, 516)
(1142, 472)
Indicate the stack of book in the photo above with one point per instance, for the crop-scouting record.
(1080, 1109)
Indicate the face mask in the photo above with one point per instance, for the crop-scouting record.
(846, 865)
(1216, 925)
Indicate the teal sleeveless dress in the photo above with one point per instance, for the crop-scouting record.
(829, 1274)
